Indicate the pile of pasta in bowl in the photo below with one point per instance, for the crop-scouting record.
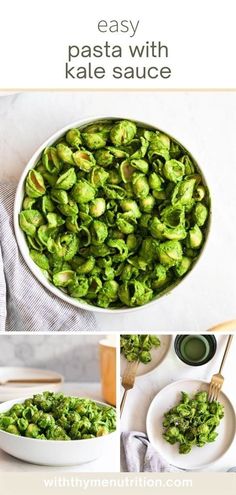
(115, 213)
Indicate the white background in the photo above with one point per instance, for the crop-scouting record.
(200, 34)
(204, 122)
(171, 370)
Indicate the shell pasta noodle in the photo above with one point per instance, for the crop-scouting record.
(193, 421)
(52, 416)
(138, 347)
(115, 214)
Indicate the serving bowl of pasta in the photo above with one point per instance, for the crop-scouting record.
(55, 430)
(111, 214)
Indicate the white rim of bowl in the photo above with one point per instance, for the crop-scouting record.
(20, 237)
(200, 382)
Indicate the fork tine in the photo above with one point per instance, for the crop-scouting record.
(212, 398)
(211, 391)
(214, 390)
(218, 389)
(211, 395)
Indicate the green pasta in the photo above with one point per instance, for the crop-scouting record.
(53, 416)
(138, 347)
(115, 214)
(192, 422)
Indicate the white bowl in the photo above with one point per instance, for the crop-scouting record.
(21, 240)
(54, 452)
(16, 391)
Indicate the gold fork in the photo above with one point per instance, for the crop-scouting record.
(217, 379)
(128, 380)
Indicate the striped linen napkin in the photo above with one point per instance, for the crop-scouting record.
(25, 305)
(138, 455)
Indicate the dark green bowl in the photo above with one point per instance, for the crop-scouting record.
(195, 350)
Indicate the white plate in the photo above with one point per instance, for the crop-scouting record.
(198, 457)
(158, 355)
(13, 391)
(21, 240)
(54, 452)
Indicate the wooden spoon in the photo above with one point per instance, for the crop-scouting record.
(224, 327)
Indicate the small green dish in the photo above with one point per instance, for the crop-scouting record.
(195, 350)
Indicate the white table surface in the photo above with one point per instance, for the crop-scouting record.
(205, 122)
(110, 462)
(172, 369)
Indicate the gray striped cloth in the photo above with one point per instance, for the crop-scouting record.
(25, 305)
(138, 455)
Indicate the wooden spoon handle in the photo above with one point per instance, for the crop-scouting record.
(223, 327)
